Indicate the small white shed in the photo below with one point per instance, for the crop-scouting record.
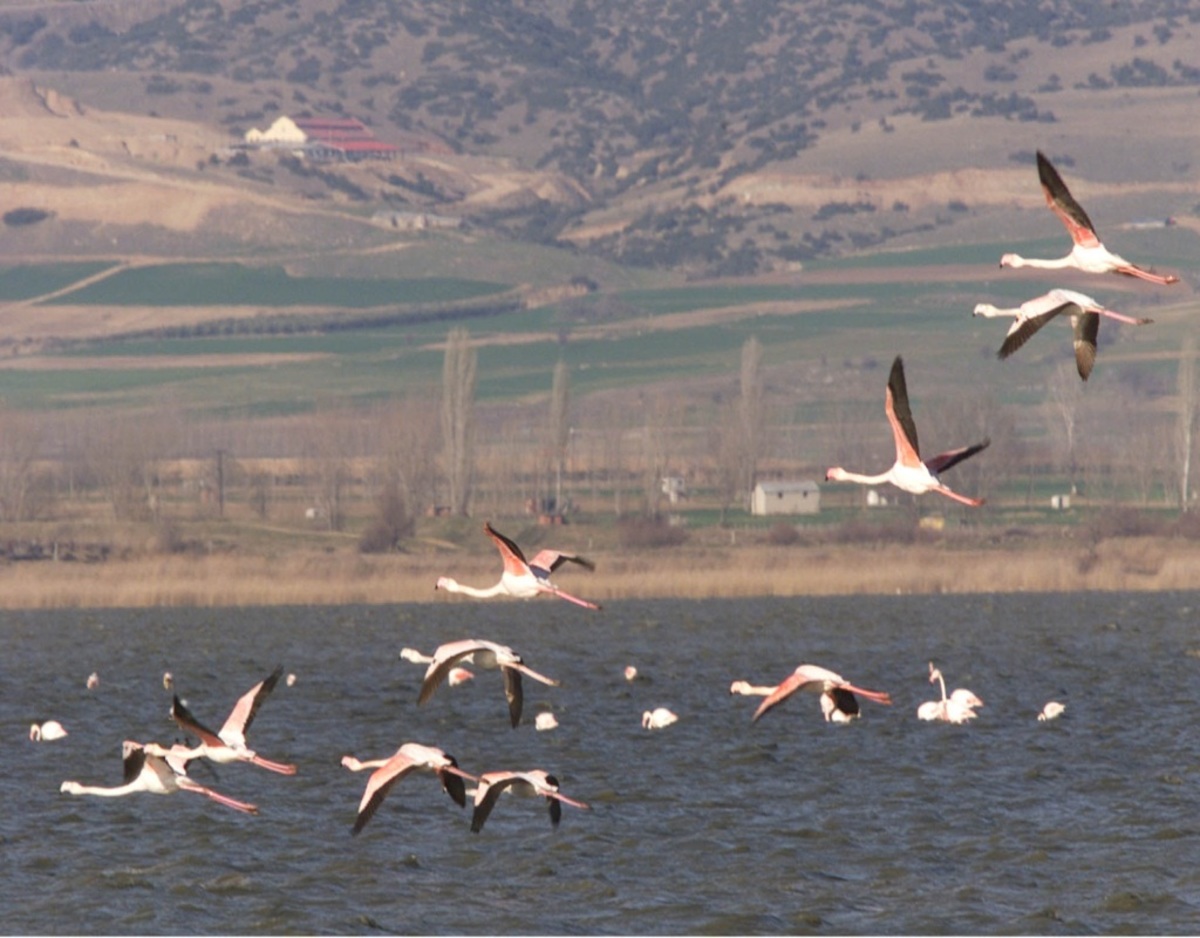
(802, 497)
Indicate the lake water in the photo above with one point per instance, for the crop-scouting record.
(1088, 824)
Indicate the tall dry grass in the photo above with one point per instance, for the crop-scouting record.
(340, 577)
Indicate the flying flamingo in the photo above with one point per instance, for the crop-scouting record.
(910, 473)
(534, 782)
(487, 655)
(457, 675)
(1088, 254)
(658, 718)
(747, 689)
(959, 707)
(50, 730)
(229, 745)
(407, 759)
(837, 694)
(1082, 310)
(147, 770)
(522, 579)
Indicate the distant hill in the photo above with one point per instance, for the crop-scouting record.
(701, 138)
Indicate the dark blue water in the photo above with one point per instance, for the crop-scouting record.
(1089, 824)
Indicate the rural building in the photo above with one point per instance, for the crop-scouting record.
(786, 498)
(330, 139)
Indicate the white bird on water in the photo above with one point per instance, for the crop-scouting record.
(45, 732)
(1052, 711)
(658, 718)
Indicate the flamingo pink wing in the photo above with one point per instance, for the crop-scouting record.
(510, 553)
(1070, 212)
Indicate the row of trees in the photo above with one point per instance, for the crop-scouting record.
(430, 447)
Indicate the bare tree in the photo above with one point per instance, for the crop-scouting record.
(1064, 391)
(124, 453)
(20, 446)
(332, 442)
(751, 411)
(560, 427)
(1188, 404)
(458, 418)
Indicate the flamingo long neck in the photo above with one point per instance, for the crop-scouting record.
(846, 476)
(117, 792)
(942, 684)
(454, 586)
(988, 311)
(1016, 260)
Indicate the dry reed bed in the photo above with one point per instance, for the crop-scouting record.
(346, 577)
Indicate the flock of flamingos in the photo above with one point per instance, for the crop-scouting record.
(150, 767)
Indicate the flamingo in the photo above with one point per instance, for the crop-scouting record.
(545, 721)
(910, 473)
(1052, 711)
(959, 707)
(486, 655)
(93, 681)
(407, 759)
(1082, 310)
(147, 770)
(1088, 253)
(658, 718)
(229, 745)
(45, 732)
(837, 694)
(631, 672)
(522, 579)
(751, 690)
(534, 782)
(457, 675)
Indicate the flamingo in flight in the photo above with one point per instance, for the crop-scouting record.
(1083, 312)
(838, 705)
(522, 579)
(534, 782)
(407, 759)
(1088, 253)
(837, 694)
(959, 707)
(910, 473)
(147, 769)
(229, 745)
(487, 655)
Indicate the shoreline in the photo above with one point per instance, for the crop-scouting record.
(346, 577)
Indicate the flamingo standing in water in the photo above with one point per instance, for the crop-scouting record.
(837, 694)
(147, 770)
(910, 473)
(229, 745)
(1083, 312)
(658, 718)
(522, 579)
(535, 782)
(1088, 254)
(46, 732)
(1052, 711)
(407, 759)
(486, 655)
(959, 707)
